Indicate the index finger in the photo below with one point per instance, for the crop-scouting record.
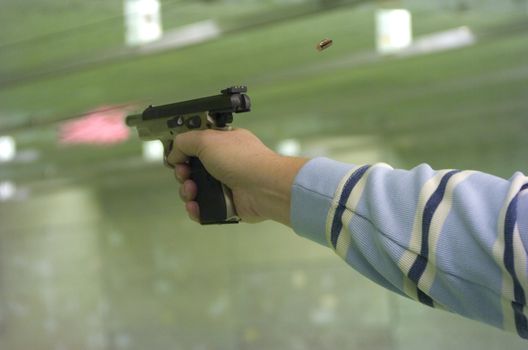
(175, 156)
(185, 145)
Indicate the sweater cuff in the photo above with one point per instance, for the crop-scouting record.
(312, 194)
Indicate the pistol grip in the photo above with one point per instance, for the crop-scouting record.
(214, 198)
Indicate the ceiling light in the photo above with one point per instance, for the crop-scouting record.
(143, 21)
(289, 147)
(7, 148)
(7, 190)
(393, 30)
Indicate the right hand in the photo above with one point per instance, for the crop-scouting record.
(259, 178)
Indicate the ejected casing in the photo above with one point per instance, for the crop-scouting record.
(324, 44)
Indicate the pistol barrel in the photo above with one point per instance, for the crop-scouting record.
(134, 119)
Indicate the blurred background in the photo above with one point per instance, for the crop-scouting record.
(96, 251)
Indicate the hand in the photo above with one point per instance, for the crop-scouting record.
(259, 178)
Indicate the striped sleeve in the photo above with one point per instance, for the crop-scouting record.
(450, 239)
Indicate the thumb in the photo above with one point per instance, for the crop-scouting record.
(187, 144)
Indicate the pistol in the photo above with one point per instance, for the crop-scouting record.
(214, 112)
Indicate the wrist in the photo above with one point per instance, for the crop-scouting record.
(274, 187)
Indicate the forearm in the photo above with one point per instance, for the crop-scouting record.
(435, 236)
(272, 185)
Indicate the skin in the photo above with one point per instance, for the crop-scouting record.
(259, 178)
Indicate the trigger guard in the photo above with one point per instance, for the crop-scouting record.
(166, 150)
(167, 164)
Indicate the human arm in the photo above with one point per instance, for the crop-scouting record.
(454, 240)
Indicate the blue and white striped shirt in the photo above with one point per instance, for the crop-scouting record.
(454, 240)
